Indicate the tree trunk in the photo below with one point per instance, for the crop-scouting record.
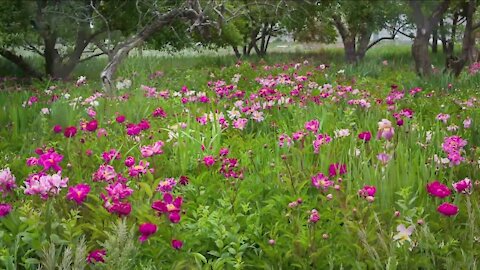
(350, 52)
(20, 62)
(435, 41)
(443, 36)
(236, 51)
(363, 41)
(423, 66)
(121, 51)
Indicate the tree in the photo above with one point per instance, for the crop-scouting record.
(426, 15)
(356, 21)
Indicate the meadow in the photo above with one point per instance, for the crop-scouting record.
(295, 161)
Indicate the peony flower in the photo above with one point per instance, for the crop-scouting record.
(70, 132)
(129, 161)
(97, 256)
(120, 119)
(463, 186)
(447, 209)
(91, 125)
(50, 160)
(312, 126)
(321, 181)
(166, 185)
(57, 129)
(5, 209)
(438, 189)
(177, 244)
(78, 193)
(209, 161)
(7, 181)
(146, 230)
(169, 205)
(367, 191)
(314, 216)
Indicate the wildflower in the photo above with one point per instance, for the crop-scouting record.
(139, 169)
(146, 230)
(443, 117)
(337, 169)
(70, 132)
(111, 155)
(320, 140)
(271, 242)
(129, 161)
(365, 136)
(177, 244)
(57, 129)
(312, 126)
(169, 205)
(81, 81)
(183, 180)
(209, 161)
(78, 193)
(45, 111)
(284, 140)
(50, 160)
(5, 209)
(45, 185)
(447, 209)
(166, 185)
(438, 189)
(296, 136)
(240, 123)
(102, 133)
(159, 112)
(367, 191)
(384, 158)
(385, 130)
(403, 233)
(97, 256)
(463, 186)
(115, 199)
(91, 125)
(120, 119)
(7, 181)
(224, 152)
(321, 181)
(314, 216)
(104, 173)
(342, 133)
(467, 122)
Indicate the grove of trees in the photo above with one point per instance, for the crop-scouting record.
(65, 33)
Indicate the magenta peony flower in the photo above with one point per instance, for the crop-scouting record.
(146, 230)
(129, 161)
(209, 161)
(447, 209)
(166, 185)
(365, 136)
(57, 129)
(70, 132)
(78, 193)
(224, 152)
(367, 191)
(337, 169)
(5, 209)
(321, 181)
(169, 205)
(438, 189)
(97, 256)
(463, 186)
(312, 126)
(120, 119)
(159, 112)
(183, 180)
(314, 216)
(177, 244)
(50, 160)
(7, 181)
(91, 125)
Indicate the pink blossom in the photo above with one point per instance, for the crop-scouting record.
(312, 126)
(5, 209)
(78, 193)
(447, 209)
(337, 169)
(384, 158)
(177, 244)
(209, 161)
(169, 205)
(7, 181)
(45, 185)
(166, 185)
(367, 191)
(463, 186)
(385, 130)
(57, 129)
(139, 169)
(240, 123)
(104, 173)
(443, 117)
(146, 230)
(70, 132)
(284, 140)
(438, 189)
(50, 160)
(97, 256)
(321, 181)
(365, 136)
(314, 216)
(120, 119)
(111, 155)
(91, 125)
(129, 161)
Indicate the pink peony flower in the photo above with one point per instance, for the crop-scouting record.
(5, 209)
(120, 119)
(177, 244)
(223, 152)
(314, 216)
(78, 193)
(97, 256)
(129, 161)
(57, 129)
(367, 191)
(312, 126)
(70, 132)
(321, 181)
(146, 230)
(166, 185)
(463, 186)
(50, 160)
(438, 189)
(91, 125)
(7, 181)
(169, 205)
(447, 209)
(139, 169)
(209, 161)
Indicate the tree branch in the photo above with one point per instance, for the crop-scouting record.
(91, 56)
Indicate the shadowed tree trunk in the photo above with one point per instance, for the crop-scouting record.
(424, 25)
(20, 62)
